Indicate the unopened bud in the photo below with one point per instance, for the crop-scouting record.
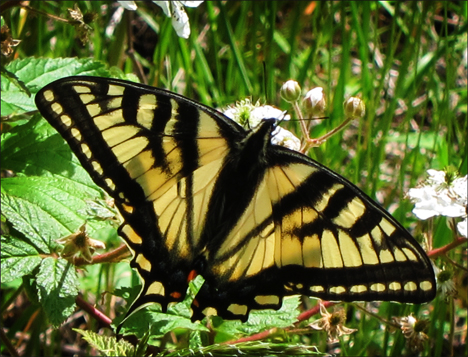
(354, 107)
(314, 102)
(290, 91)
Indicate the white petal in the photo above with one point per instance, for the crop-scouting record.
(460, 187)
(191, 3)
(269, 112)
(129, 5)
(230, 112)
(315, 95)
(285, 138)
(436, 177)
(180, 20)
(165, 5)
(425, 202)
(463, 227)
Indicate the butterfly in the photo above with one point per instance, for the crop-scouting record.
(200, 195)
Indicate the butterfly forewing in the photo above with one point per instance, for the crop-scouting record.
(157, 155)
(199, 194)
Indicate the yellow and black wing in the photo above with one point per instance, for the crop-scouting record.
(199, 194)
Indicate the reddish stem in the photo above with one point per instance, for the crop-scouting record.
(98, 315)
(443, 250)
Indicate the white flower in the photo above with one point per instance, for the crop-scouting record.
(428, 202)
(174, 9)
(285, 138)
(250, 115)
(241, 112)
(266, 112)
(438, 197)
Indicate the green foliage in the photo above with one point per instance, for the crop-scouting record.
(57, 285)
(404, 59)
(108, 346)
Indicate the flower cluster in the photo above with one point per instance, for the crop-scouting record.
(442, 195)
(249, 115)
(313, 103)
(174, 9)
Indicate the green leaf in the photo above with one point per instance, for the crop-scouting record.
(259, 320)
(151, 317)
(50, 178)
(251, 348)
(18, 258)
(30, 220)
(58, 199)
(108, 346)
(57, 284)
(36, 149)
(37, 72)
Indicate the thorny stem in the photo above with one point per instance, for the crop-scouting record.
(98, 315)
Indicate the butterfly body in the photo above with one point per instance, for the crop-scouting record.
(201, 195)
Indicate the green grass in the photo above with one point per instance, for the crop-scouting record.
(406, 61)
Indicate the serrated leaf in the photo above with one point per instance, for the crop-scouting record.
(30, 220)
(61, 188)
(36, 149)
(109, 346)
(37, 72)
(57, 284)
(159, 323)
(18, 258)
(259, 320)
(250, 348)
(52, 205)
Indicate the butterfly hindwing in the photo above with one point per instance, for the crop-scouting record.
(308, 231)
(201, 195)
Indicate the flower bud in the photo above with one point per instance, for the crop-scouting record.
(290, 91)
(354, 107)
(314, 102)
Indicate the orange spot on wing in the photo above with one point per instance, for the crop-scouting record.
(176, 295)
(192, 275)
